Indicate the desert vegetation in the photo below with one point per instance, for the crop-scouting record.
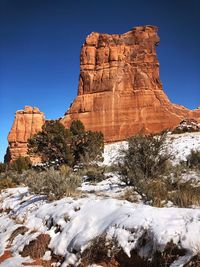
(66, 153)
(146, 167)
(70, 146)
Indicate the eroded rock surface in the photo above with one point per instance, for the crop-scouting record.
(120, 92)
(27, 122)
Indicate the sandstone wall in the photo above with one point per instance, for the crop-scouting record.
(120, 92)
(27, 122)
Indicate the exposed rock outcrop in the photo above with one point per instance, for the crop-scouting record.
(27, 122)
(120, 92)
(188, 125)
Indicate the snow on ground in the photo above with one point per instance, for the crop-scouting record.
(111, 186)
(180, 145)
(16, 261)
(73, 222)
(81, 220)
(113, 151)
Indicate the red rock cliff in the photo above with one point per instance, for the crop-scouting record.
(120, 92)
(27, 122)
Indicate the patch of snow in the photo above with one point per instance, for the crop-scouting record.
(74, 223)
(16, 261)
(113, 151)
(179, 145)
(112, 186)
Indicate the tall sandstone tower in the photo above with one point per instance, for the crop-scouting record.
(119, 92)
(27, 122)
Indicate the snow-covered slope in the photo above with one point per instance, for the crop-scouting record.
(179, 145)
(72, 223)
(81, 220)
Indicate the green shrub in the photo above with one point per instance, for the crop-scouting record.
(69, 146)
(146, 158)
(21, 164)
(53, 143)
(87, 146)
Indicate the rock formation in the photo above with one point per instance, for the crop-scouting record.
(188, 125)
(120, 92)
(27, 122)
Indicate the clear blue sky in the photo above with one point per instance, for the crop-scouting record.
(40, 43)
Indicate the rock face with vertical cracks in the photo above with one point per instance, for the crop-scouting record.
(27, 122)
(120, 92)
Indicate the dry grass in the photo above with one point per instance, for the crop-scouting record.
(100, 250)
(130, 195)
(54, 184)
(159, 191)
(107, 253)
(6, 183)
(156, 192)
(36, 248)
(185, 195)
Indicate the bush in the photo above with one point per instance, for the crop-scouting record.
(3, 167)
(69, 146)
(93, 173)
(146, 158)
(53, 143)
(87, 146)
(54, 184)
(6, 183)
(21, 164)
(193, 159)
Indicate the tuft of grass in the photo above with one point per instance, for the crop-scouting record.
(130, 195)
(185, 195)
(156, 192)
(6, 183)
(100, 250)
